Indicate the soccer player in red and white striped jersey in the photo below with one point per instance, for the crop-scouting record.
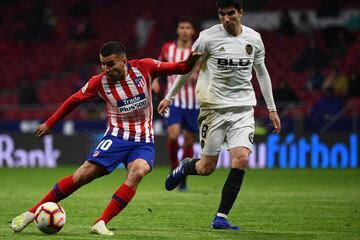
(126, 88)
(184, 110)
(176, 51)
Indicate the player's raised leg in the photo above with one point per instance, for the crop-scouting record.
(123, 195)
(231, 188)
(62, 189)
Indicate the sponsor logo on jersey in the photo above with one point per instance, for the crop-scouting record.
(131, 104)
(249, 49)
(234, 64)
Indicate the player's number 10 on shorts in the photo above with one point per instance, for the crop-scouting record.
(104, 144)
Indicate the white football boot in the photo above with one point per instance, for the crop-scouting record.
(100, 228)
(20, 222)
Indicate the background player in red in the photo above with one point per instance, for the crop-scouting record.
(184, 111)
(126, 88)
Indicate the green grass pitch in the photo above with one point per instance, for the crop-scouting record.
(273, 204)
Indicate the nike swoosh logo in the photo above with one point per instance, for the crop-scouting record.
(108, 92)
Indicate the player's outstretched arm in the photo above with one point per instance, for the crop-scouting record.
(42, 130)
(180, 80)
(193, 58)
(87, 92)
(66, 108)
(170, 68)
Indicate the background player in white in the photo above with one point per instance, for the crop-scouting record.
(226, 99)
(184, 110)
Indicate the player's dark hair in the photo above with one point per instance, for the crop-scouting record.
(229, 3)
(186, 19)
(113, 47)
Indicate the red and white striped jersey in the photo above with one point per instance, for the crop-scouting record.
(186, 98)
(129, 100)
(129, 105)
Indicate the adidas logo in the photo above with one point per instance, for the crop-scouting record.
(222, 49)
(176, 171)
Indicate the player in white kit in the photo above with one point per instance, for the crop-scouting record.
(226, 97)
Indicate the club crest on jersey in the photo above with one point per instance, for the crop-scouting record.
(249, 49)
(139, 81)
(133, 103)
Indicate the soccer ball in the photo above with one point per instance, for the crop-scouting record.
(50, 217)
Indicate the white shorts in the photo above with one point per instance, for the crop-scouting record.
(226, 128)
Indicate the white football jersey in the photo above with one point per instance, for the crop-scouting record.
(225, 75)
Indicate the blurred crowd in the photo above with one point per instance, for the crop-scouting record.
(50, 48)
(329, 64)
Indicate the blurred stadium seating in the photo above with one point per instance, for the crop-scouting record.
(51, 48)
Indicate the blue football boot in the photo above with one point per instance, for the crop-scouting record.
(176, 176)
(222, 223)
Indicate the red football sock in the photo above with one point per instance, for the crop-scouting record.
(120, 199)
(61, 190)
(173, 147)
(188, 151)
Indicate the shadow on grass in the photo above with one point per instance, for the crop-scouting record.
(166, 233)
(203, 233)
(60, 235)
